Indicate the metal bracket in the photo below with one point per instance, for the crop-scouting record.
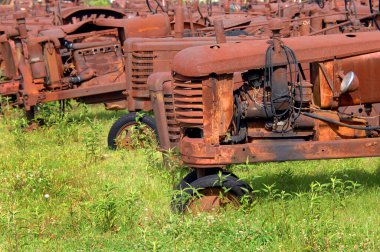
(336, 94)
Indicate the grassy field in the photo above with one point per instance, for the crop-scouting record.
(63, 190)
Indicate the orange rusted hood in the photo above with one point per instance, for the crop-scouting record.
(234, 57)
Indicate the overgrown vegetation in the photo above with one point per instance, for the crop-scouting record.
(62, 189)
(98, 2)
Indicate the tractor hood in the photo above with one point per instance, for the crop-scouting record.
(240, 56)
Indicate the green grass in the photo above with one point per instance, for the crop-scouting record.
(63, 190)
(105, 3)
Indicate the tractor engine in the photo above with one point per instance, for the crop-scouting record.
(83, 60)
(259, 104)
(76, 61)
(268, 105)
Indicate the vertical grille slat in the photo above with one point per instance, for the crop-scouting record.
(173, 127)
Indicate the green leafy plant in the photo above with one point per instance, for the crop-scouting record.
(106, 210)
(18, 127)
(92, 141)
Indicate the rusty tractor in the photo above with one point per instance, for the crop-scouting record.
(45, 61)
(252, 102)
(156, 55)
(62, 62)
(57, 63)
(300, 19)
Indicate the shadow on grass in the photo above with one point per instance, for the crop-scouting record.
(286, 181)
(79, 113)
(100, 113)
(103, 115)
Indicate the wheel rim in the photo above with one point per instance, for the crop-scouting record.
(134, 135)
(212, 199)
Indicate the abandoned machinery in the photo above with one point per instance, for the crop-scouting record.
(43, 62)
(254, 102)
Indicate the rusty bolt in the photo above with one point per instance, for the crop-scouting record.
(19, 15)
(21, 23)
(219, 31)
(276, 25)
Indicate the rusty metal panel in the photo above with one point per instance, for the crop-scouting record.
(223, 97)
(196, 153)
(231, 57)
(364, 67)
(8, 65)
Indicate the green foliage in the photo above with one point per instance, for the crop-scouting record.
(2, 77)
(63, 190)
(144, 139)
(98, 2)
(92, 141)
(106, 210)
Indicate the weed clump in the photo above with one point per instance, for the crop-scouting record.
(112, 214)
(92, 142)
(106, 210)
(53, 199)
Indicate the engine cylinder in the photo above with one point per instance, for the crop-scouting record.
(279, 89)
(37, 62)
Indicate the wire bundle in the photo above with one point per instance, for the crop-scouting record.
(291, 111)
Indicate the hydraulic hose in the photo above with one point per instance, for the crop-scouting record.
(322, 118)
(240, 136)
(85, 75)
(150, 7)
(241, 129)
(238, 117)
(374, 18)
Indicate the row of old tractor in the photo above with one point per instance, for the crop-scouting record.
(227, 82)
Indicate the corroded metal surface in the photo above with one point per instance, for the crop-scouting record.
(63, 62)
(53, 53)
(251, 101)
(225, 58)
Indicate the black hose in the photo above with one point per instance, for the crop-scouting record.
(238, 117)
(374, 17)
(75, 80)
(346, 8)
(240, 136)
(68, 44)
(241, 130)
(340, 123)
(150, 7)
(160, 6)
(268, 73)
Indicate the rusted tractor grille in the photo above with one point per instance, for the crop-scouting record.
(173, 127)
(142, 67)
(188, 106)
